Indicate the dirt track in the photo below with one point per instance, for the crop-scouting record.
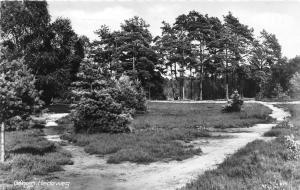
(90, 172)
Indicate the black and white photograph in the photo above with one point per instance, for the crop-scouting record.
(150, 95)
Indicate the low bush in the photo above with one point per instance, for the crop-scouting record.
(129, 93)
(98, 112)
(234, 105)
(105, 105)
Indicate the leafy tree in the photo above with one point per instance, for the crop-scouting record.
(293, 65)
(138, 57)
(166, 49)
(295, 84)
(23, 24)
(51, 50)
(18, 96)
(129, 51)
(200, 34)
(182, 51)
(235, 41)
(265, 56)
(90, 77)
(105, 50)
(283, 71)
(55, 64)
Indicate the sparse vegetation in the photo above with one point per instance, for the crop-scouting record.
(157, 135)
(260, 165)
(282, 129)
(142, 147)
(107, 82)
(30, 155)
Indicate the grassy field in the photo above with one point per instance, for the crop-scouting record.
(158, 134)
(30, 155)
(180, 115)
(260, 165)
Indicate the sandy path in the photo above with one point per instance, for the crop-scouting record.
(90, 172)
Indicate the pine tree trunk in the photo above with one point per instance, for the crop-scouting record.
(226, 85)
(191, 85)
(2, 143)
(149, 92)
(226, 88)
(201, 89)
(201, 82)
(183, 91)
(172, 83)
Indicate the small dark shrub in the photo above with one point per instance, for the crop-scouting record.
(235, 104)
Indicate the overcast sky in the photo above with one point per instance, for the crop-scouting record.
(281, 18)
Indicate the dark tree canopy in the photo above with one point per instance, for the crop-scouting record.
(129, 51)
(52, 51)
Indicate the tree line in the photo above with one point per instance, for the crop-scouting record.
(196, 57)
(108, 79)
